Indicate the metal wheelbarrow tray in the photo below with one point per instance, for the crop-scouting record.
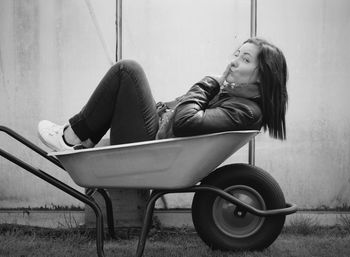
(159, 164)
(235, 207)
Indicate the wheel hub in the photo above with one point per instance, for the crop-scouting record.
(233, 220)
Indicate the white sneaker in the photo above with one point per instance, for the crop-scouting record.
(51, 135)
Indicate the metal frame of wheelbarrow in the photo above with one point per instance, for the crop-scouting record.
(89, 200)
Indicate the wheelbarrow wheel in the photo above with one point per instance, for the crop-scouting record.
(225, 226)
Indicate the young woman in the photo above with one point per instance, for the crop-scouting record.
(250, 94)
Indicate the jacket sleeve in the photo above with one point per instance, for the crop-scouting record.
(194, 117)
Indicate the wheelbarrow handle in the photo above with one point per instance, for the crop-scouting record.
(30, 145)
(67, 189)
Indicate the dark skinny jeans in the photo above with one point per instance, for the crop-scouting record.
(122, 102)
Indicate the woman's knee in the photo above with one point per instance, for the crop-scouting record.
(127, 65)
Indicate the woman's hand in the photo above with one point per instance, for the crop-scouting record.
(221, 78)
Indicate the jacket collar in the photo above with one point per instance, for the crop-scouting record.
(250, 91)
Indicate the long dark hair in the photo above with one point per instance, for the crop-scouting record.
(272, 69)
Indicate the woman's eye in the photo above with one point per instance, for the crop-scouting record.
(246, 60)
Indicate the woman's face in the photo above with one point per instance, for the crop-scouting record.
(243, 67)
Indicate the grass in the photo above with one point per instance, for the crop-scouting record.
(302, 238)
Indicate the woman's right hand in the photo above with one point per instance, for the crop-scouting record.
(221, 78)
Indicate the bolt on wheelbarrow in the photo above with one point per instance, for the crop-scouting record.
(235, 206)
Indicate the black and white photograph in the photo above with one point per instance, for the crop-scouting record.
(158, 128)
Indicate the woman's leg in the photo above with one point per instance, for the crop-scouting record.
(123, 102)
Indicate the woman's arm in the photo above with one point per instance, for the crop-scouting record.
(193, 115)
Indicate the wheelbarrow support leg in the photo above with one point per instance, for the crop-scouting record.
(109, 207)
(109, 211)
(99, 228)
(147, 221)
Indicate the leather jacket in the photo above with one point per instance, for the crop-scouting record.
(207, 108)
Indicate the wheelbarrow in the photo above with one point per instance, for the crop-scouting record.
(235, 206)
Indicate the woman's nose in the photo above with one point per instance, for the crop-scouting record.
(234, 63)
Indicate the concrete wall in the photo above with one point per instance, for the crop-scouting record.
(51, 58)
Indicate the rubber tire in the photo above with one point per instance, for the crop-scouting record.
(228, 176)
